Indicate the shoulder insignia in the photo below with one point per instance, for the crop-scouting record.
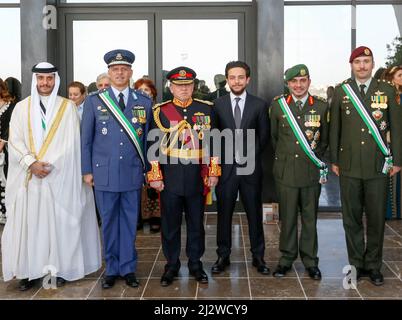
(278, 97)
(320, 98)
(204, 101)
(142, 93)
(158, 105)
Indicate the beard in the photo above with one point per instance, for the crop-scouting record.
(238, 92)
(45, 90)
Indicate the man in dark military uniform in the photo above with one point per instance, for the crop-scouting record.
(366, 146)
(115, 124)
(298, 174)
(179, 174)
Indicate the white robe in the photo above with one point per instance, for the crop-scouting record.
(51, 222)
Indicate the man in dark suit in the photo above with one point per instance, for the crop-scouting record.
(246, 118)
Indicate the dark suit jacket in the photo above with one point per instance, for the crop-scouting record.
(255, 116)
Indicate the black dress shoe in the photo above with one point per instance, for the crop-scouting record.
(26, 284)
(376, 277)
(108, 282)
(60, 282)
(360, 272)
(168, 277)
(220, 265)
(131, 280)
(280, 271)
(199, 275)
(314, 273)
(261, 266)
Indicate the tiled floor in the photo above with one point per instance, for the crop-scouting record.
(240, 280)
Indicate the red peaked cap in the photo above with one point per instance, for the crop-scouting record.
(360, 51)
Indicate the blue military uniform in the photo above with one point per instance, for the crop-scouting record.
(110, 156)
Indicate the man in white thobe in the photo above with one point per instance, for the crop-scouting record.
(51, 223)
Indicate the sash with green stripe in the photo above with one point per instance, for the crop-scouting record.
(303, 141)
(371, 126)
(124, 123)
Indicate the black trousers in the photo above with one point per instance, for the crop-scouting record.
(251, 197)
(172, 207)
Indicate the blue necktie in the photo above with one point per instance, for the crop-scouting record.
(121, 101)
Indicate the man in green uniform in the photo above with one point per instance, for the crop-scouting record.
(299, 128)
(366, 146)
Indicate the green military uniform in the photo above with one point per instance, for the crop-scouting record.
(354, 150)
(297, 177)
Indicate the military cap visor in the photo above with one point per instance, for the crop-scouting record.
(181, 75)
(119, 57)
(299, 70)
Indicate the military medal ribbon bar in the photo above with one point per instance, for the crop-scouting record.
(303, 141)
(371, 126)
(124, 123)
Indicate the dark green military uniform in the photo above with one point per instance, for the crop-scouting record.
(297, 177)
(354, 150)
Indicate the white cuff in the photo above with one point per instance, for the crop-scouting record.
(26, 161)
(2, 158)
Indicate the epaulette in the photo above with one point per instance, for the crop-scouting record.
(161, 104)
(347, 81)
(142, 93)
(386, 81)
(204, 101)
(278, 97)
(320, 98)
(97, 92)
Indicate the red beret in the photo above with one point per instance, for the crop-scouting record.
(360, 51)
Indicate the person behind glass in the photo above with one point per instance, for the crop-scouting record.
(330, 94)
(364, 111)
(77, 93)
(103, 81)
(240, 112)
(115, 125)
(7, 104)
(150, 210)
(394, 75)
(14, 88)
(179, 171)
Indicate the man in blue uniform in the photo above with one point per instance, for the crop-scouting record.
(114, 130)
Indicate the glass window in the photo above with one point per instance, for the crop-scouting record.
(376, 35)
(203, 45)
(147, 1)
(320, 37)
(10, 53)
(92, 39)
